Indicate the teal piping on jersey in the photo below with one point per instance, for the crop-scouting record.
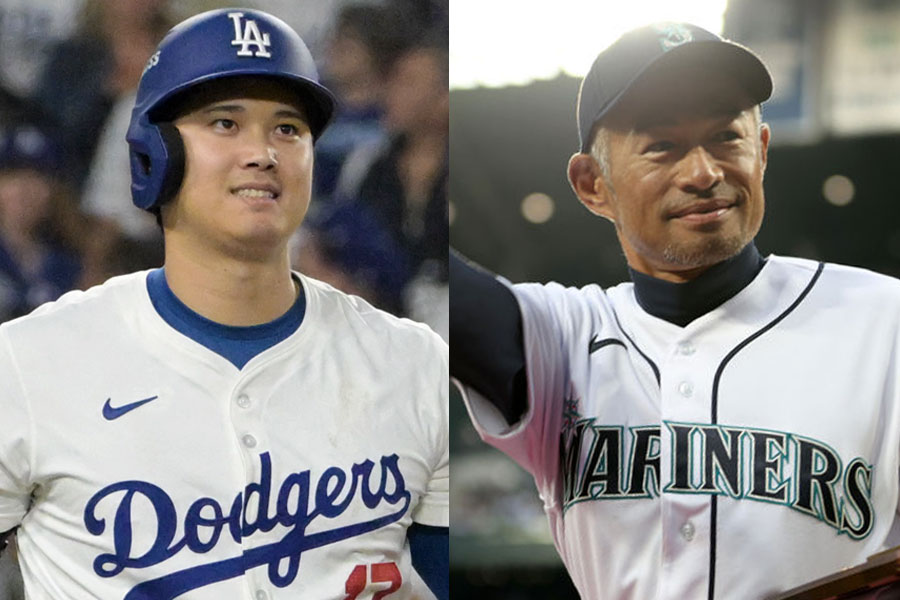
(681, 303)
(236, 344)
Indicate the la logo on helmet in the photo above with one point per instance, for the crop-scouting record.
(251, 36)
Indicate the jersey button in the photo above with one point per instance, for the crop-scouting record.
(687, 531)
(243, 401)
(686, 389)
(249, 441)
(686, 348)
(261, 595)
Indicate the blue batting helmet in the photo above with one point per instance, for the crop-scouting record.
(207, 47)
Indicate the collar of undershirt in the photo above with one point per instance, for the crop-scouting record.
(236, 344)
(681, 303)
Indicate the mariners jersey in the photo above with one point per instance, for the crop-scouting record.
(139, 464)
(751, 451)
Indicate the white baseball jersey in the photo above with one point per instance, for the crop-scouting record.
(139, 464)
(747, 453)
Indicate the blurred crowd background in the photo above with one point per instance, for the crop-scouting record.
(832, 194)
(377, 226)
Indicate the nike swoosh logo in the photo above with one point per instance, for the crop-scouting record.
(111, 412)
(597, 344)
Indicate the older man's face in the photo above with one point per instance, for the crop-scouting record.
(684, 185)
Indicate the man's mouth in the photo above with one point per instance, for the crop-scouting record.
(264, 191)
(703, 212)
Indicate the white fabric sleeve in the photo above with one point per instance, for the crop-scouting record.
(434, 506)
(15, 447)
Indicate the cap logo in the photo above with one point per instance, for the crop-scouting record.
(250, 36)
(672, 35)
(152, 62)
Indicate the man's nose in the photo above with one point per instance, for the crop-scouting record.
(260, 153)
(699, 171)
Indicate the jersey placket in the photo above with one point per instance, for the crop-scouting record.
(252, 442)
(684, 401)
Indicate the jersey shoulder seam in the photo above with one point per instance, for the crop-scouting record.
(364, 310)
(109, 289)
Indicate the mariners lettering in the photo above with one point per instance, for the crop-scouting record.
(297, 503)
(801, 473)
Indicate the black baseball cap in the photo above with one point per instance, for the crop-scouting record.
(640, 53)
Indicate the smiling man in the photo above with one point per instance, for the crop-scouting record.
(721, 409)
(224, 427)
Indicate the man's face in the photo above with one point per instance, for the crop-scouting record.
(416, 96)
(685, 181)
(349, 60)
(248, 170)
(25, 199)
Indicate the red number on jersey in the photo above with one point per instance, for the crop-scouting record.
(356, 583)
(386, 573)
(380, 573)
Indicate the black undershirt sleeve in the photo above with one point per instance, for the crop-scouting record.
(486, 347)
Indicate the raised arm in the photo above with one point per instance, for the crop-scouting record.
(486, 347)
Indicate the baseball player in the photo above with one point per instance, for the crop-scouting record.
(223, 427)
(724, 425)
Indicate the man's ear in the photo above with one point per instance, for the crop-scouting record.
(588, 183)
(765, 134)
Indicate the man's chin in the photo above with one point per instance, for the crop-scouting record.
(705, 253)
(256, 245)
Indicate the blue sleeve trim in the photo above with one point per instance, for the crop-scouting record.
(430, 550)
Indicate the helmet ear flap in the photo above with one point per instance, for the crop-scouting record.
(174, 172)
(157, 163)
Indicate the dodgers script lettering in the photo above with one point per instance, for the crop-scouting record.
(297, 504)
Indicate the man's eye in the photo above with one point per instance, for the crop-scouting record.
(726, 135)
(660, 146)
(288, 129)
(224, 124)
